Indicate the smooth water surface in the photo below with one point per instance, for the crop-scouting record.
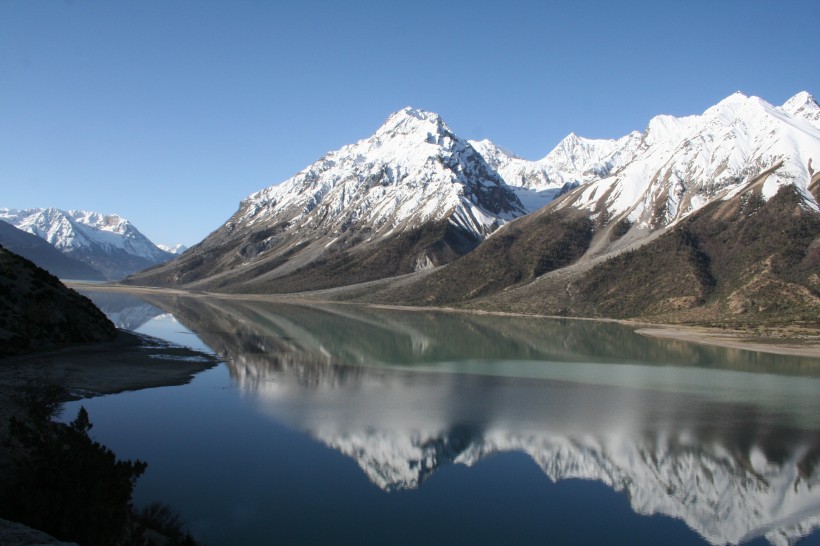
(347, 424)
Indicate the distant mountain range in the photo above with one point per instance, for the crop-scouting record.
(45, 255)
(672, 222)
(107, 243)
(173, 249)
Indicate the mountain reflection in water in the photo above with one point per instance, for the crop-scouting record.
(726, 440)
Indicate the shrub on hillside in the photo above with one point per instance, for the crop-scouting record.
(66, 484)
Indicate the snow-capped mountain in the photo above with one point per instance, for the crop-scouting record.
(803, 105)
(413, 186)
(107, 242)
(678, 165)
(178, 248)
(44, 255)
(414, 195)
(573, 162)
(413, 170)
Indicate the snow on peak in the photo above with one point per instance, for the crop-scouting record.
(76, 230)
(737, 106)
(803, 105)
(412, 170)
(583, 159)
(412, 121)
(681, 164)
(178, 248)
(801, 99)
(737, 96)
(104, 222)
(488, 149)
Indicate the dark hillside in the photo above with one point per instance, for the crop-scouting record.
(516, 253)
(744, 261)
(218, 264)
(37, 311)
(348, 262)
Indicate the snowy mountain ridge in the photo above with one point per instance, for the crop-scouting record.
(678, 165)
(102, 240)
(178, 248)
(412, 170)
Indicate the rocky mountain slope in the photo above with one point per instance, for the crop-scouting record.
(412, 196)
(46, 256)
(722, 264)
(37, 311)
(107, 242)
(706, 253)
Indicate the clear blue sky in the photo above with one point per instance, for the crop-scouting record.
(169, 112)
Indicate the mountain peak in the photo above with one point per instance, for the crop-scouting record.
(735, 98)
(408, 121)
(730, 103)
(803, 105)
(415, 113)
(802, 98)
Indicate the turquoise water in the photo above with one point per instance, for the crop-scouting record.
(342, 424)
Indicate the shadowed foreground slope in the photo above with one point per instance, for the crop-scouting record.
(37, 311)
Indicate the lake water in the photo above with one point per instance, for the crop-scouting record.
(342, 424)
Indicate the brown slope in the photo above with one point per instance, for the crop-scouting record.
(517, 253)
(282, 262)
(741, 261)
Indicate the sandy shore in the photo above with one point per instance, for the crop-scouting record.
(804, 344)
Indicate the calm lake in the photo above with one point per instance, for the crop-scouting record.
(340, 424)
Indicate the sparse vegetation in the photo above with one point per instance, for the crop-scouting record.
(738, 263)
(164, 520)
(620, 229)
(670, 274)
(66, 484)
(41, 397)
(517, 254)
(349, 262)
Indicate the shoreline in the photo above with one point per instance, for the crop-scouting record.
(129, 362)
(732, 339)
(785, 344)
